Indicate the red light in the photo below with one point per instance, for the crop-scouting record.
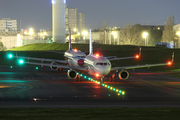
(97, 75)
(169, 63)
(97, 55)
(137, 56)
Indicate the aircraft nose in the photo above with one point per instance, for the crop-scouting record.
(104, 70)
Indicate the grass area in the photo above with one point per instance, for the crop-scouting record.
(150, 55)
(90, 113)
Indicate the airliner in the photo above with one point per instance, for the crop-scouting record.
(98, 66)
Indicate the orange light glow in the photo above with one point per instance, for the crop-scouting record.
(75, 50)
(169, 63)
(137, 56)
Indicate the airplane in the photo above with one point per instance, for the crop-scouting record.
(73, 57)
(100, 66)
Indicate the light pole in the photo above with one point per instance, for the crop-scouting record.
(115, 36)
(145, 36)
(84, 33)
(178, 33)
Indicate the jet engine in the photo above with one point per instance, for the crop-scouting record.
(52, 67)
(72, 74)
(123, 75)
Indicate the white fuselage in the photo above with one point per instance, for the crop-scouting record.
(69, 54)
(97, 65)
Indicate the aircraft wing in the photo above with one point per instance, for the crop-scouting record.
(56, 52)
(42, 59)
(59, 66)
(123, 58)
(140, 66)
(143, 66)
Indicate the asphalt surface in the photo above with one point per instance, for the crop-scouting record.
(26, 86)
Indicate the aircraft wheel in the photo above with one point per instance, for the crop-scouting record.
(114, 79)
(110, 79)
(77, 79)
(81, 79)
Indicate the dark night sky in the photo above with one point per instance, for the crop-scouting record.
(37, 13)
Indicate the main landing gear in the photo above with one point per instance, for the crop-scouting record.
(79, 77)
(113, 76)
(60, 70)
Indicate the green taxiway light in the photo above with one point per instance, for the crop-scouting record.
(120, 91)
(37, 68)
(108, 87)
(85, 77)
(11, 66)
(81, 75)
(103, 84)
(77, 73)
(21, 61)
(114, 89)
(89, 78)
(10, 55)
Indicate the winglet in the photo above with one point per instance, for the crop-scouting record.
(173, 57)
(70, 48)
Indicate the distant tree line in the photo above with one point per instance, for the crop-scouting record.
(131, 34)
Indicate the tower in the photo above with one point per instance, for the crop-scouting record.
(58, 21)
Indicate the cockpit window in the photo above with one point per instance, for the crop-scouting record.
(81, 56)
(101, 63)
(97, 63)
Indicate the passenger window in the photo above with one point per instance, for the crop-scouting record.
(105, 63)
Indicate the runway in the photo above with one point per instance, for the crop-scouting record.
(26, 86)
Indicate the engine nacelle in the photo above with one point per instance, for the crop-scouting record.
(123, 75)
(72, 74)
(52, 67)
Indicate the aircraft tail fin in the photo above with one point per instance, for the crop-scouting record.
(90, 44)
(70, 48)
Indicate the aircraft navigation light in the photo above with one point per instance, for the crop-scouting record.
(137, 56)
(169, 63)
